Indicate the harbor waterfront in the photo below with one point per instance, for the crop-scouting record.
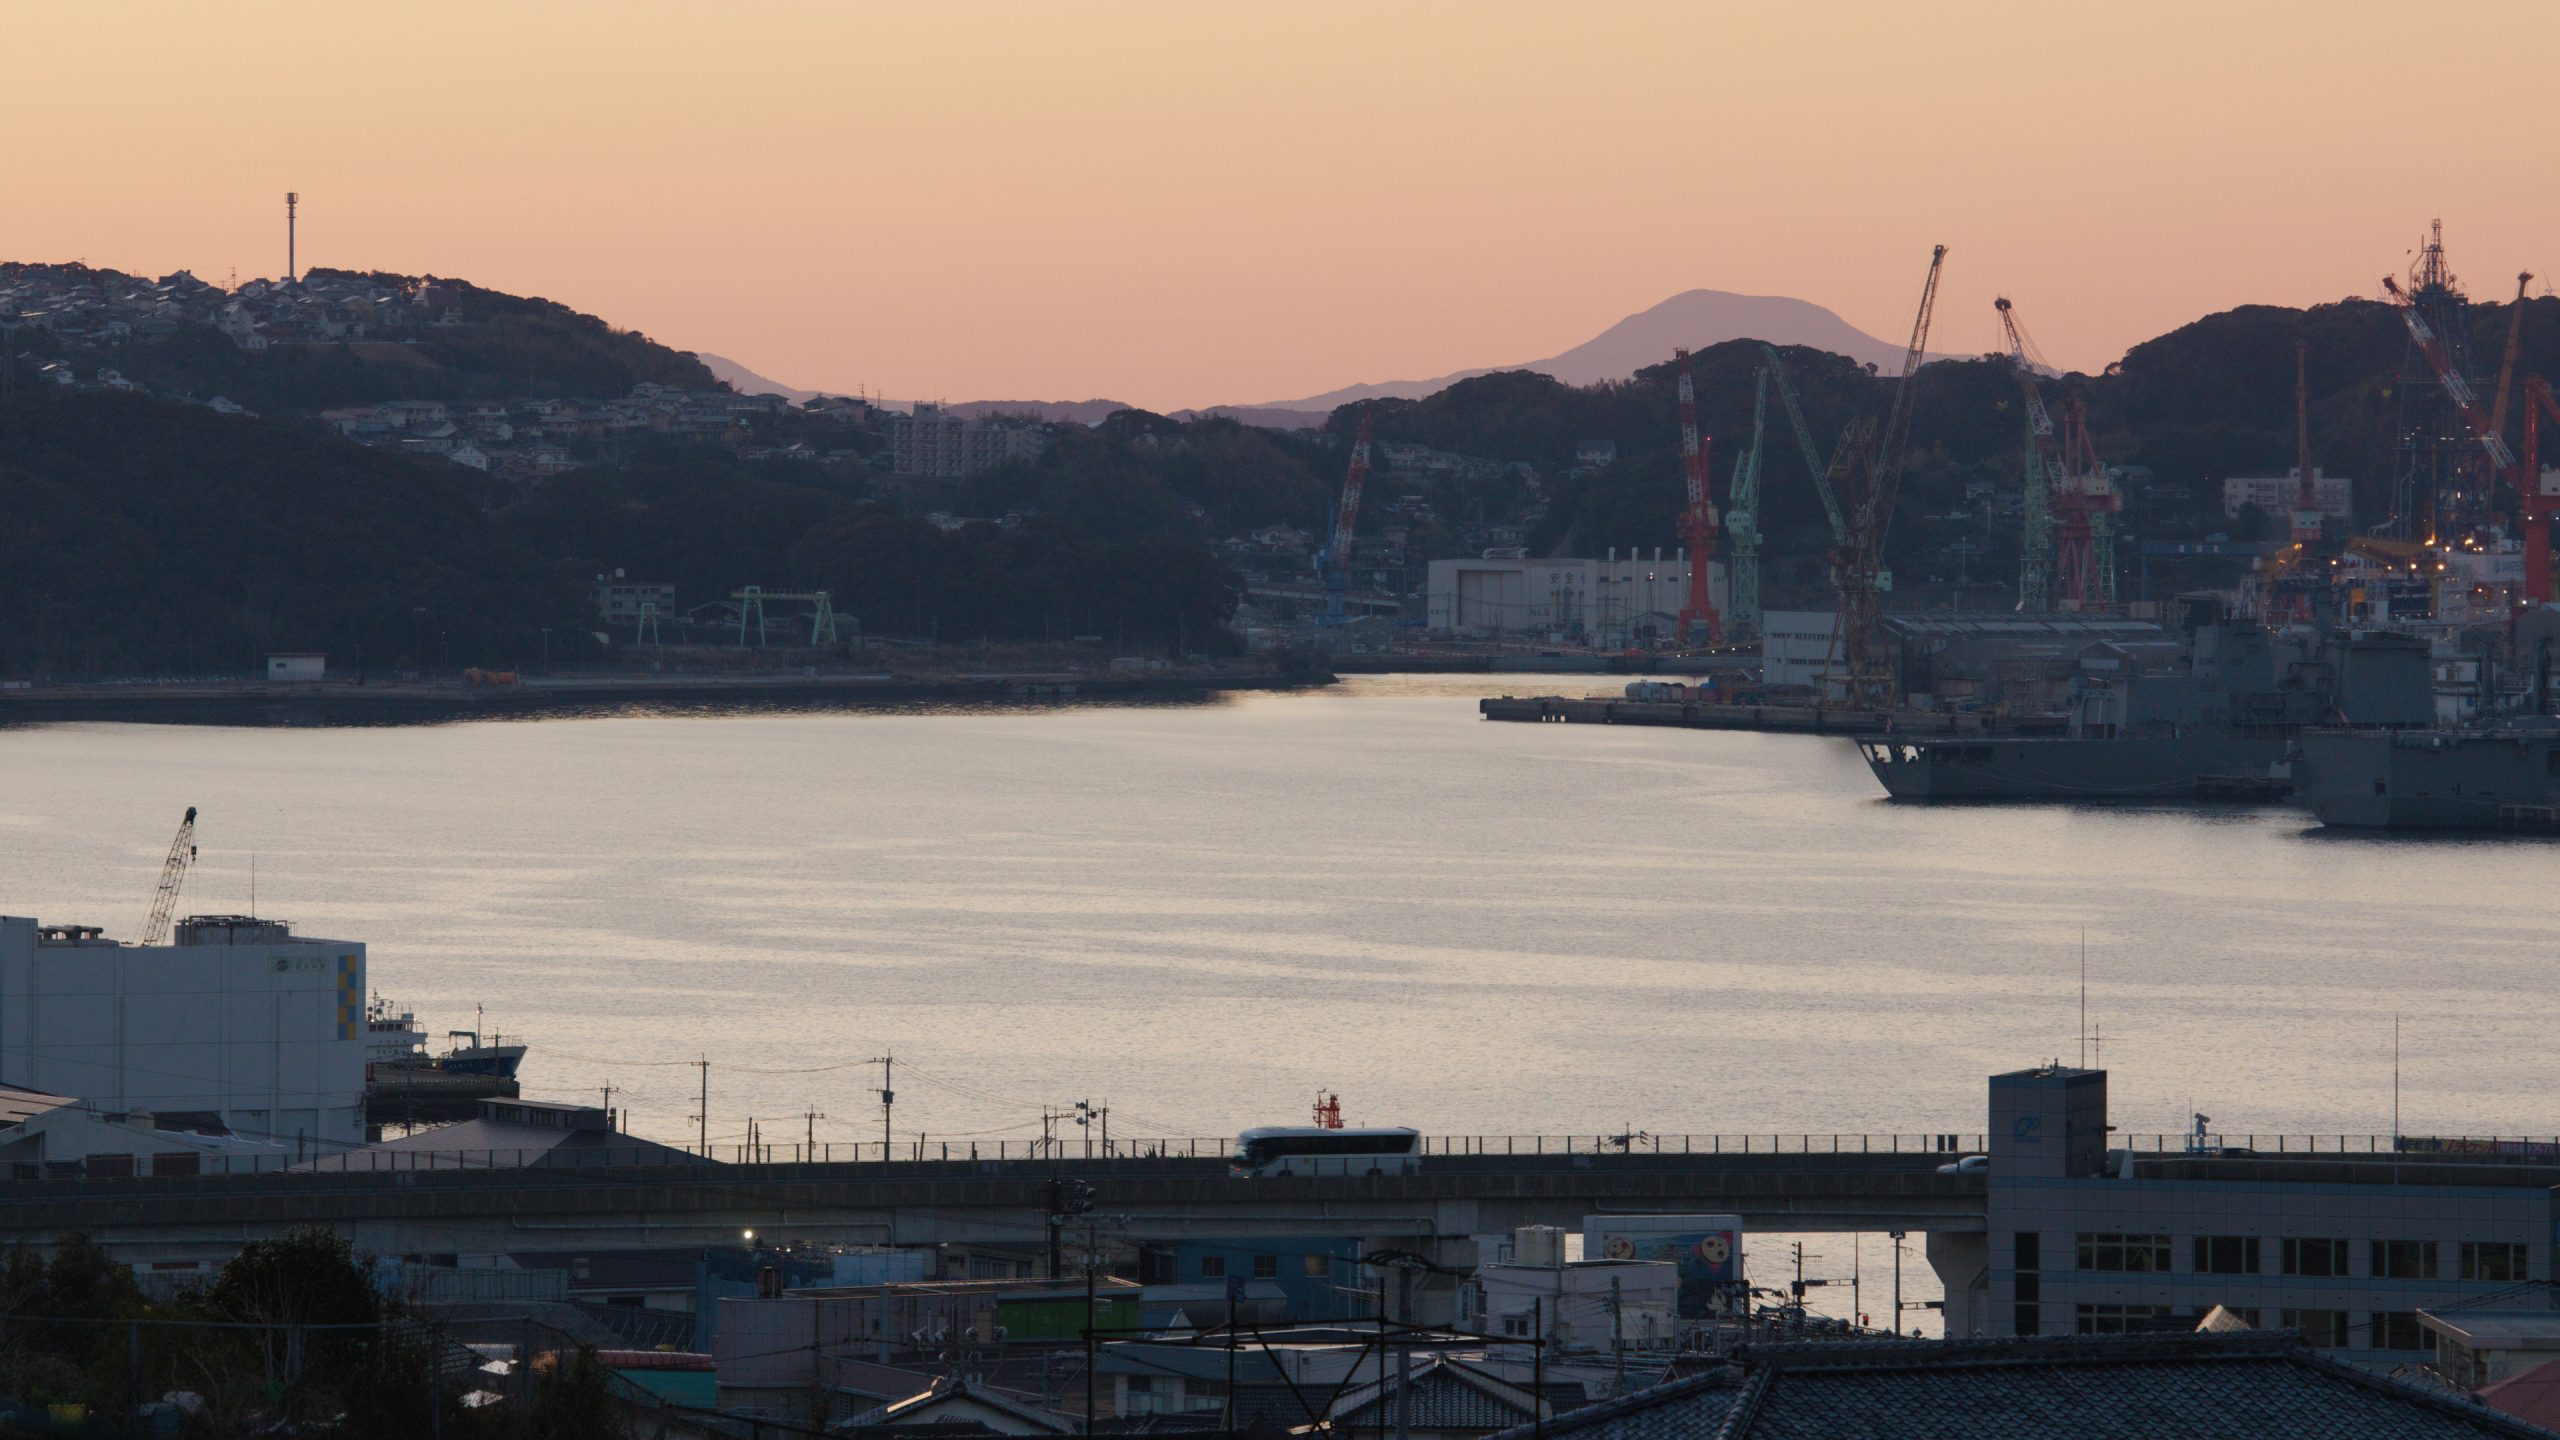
(1203, 914)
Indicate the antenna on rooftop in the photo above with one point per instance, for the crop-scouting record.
(2084, 999)
(291, 200)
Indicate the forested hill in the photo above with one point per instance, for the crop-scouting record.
(137, 535)
(142, 536)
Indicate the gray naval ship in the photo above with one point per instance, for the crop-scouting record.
(2224, 727)
(2500, 777)
(2501, 774)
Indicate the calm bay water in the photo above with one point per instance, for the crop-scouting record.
(1203, 915)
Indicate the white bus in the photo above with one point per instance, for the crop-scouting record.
(1277, 1150)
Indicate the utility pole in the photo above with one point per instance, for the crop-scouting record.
(1092, 1258)
(1404, 1353)
(1538, 1367)
(813, 1115)
(888, 1098)
(1617, 1338)
(702, 1109)
(1089, 1356)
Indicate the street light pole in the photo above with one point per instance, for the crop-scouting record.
(1896, 1236)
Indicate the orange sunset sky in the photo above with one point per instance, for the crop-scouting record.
(1190, 204)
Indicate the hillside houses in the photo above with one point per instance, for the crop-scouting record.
(546, 434)
(77, 304)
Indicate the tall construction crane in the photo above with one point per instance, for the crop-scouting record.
(2084, 546)
(2043, 475)
(173, 873)
(1334, 561)
(1866, 469)
(2067, 545)
(2293, 568)
(2507, 367)
(1813, 460)
(1698, 522)
(2306, 485)
(2439, 356)
(1742, 525)
(2537, 492)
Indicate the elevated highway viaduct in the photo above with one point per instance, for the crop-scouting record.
(607, 1205)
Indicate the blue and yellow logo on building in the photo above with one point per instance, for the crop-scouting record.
(350, 998)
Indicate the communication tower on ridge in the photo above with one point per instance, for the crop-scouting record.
(291, 201)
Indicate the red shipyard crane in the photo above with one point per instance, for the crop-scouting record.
(1698, 522)
(2306, 488)
(1334, 563)
(2537, 492)
(2084, 544)
(2440, 358)
(2065, 480)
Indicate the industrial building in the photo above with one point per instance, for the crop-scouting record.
(238, 1024)
(2348, 1248)
(624, 602)
(1609, 602)
(2275, 494)
(52, 1137)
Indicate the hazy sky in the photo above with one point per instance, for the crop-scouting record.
(1242, 200)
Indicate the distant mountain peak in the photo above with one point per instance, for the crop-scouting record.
(747, 382)
(1693, 318)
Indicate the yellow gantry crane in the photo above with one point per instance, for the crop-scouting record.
(1866, 471)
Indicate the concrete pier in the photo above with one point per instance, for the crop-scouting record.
(1707, 715)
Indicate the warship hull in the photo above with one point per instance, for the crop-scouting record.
(2210, 766)
(2434, 780)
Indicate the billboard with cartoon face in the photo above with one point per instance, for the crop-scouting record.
(1706, 1248)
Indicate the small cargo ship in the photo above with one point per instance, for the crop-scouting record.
(395, 1040)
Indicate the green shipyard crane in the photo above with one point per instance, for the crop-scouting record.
(1813, 460)
(1742, 525)
(2043, 476)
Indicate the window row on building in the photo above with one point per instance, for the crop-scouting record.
(2303, 1255)
(1267, 1267)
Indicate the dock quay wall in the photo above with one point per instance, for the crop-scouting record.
(429, 702)
(1707, 715)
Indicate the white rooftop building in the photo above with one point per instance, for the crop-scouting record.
(1575, 1305)
(237, 1024)
(2275, 494)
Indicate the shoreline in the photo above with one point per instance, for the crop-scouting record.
(337, 703)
